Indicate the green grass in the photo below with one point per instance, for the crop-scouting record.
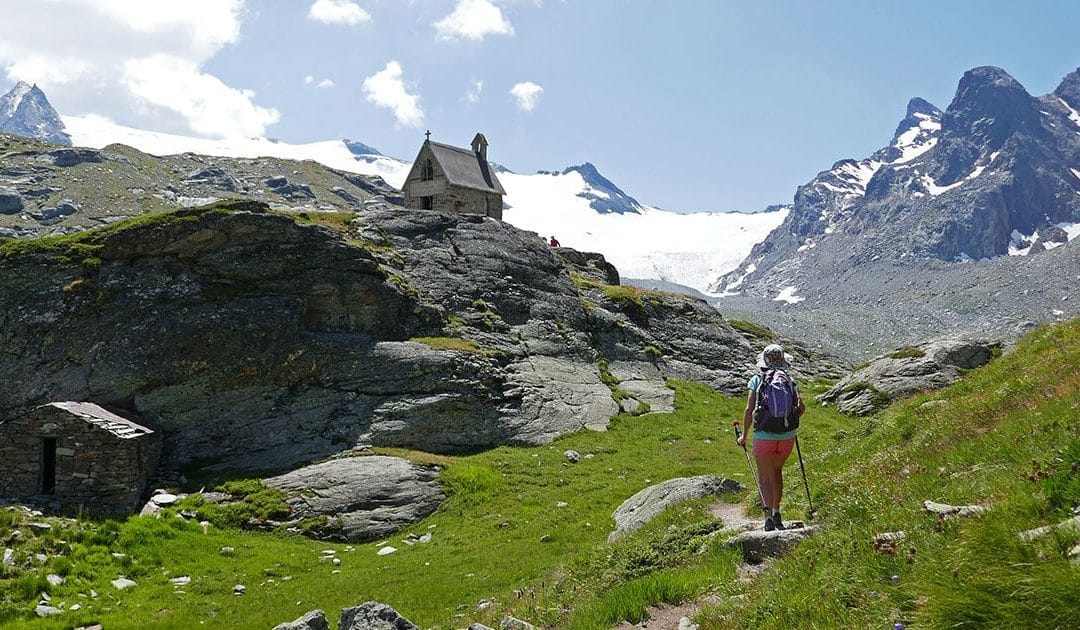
(1007, 436)
(625, 296)
(85, 245)
(752, 329)
(487, 540)
(907, 352)
(449, 343)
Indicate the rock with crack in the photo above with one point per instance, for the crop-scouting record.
(907, 371)
(313, 620)
(641, 508)
(373, 616)
(757, 546)
(362, 498)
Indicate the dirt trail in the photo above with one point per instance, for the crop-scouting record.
(668, 617)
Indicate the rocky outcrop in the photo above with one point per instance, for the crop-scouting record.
(906, 371)
(373, 616)
(264, 340)
(757, 546)
(361, 498)
(647, 504)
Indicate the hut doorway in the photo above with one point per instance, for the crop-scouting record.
(48, 465)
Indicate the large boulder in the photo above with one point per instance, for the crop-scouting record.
(11, 202)
(362, 498)
(759, 545)
(647, 504)
(373, 616)
(907, 371)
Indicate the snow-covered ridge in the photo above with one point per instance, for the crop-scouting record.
(641, 241)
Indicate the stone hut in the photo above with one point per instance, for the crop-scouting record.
(452, 179)
(77, 454)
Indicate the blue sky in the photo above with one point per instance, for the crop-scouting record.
(688, 105)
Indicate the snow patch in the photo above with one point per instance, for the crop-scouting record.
(1075, 172)
(935, 190)
(787, 294)
(917, 139)
(1071, 229)
(688, 249)
(730, 289)
(1073, 114)
(98, 132)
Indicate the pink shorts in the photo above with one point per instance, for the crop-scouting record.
(774, 447)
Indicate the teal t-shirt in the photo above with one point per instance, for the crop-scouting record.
(753, 385)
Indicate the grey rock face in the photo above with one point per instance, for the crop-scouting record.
(373, 616)
(759, 545)
(925, 367)
(314, 620)
(641, 508)
(206, 324)
(364, 498)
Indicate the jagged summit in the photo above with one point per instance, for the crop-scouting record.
(604, 196)
(359, 148)
(25, 111)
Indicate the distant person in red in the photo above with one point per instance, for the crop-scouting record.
(555, 242)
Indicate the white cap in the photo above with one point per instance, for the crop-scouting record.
(773, 356)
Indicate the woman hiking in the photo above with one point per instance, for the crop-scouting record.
(774, 407)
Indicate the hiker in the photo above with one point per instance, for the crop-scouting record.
(776, 420)
(554, 242)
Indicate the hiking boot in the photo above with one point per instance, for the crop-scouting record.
(777, 521)
(769, 525)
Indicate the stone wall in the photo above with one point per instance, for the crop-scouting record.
(95, 469)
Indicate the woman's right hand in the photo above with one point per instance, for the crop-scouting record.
(741, 440)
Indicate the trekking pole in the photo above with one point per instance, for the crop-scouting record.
(806, 484)
(751, 465)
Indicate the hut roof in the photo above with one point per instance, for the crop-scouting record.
(93, 414)
(464, 167)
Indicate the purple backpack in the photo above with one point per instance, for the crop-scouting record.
(777, 403)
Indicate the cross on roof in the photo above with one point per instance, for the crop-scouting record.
(428, 134)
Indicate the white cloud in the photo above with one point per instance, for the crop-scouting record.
(386, 88)
(211, 107)
(342, 12)
(324, 83)
(527, 94)
(101, 56)
(472, 95)
(473, 19)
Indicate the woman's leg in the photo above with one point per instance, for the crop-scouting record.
(765, 478)
(772, 467)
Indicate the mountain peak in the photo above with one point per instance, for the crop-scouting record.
(25, 111)
(1069, 89)
(922, 106)
(604, 196)
(988, 87)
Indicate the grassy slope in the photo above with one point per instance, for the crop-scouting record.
(1007, 436)
(473, 555)
(868, 476)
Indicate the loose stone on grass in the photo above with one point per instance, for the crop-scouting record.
(572, 456)
(122, 583)
(385, 551)
(511, 623)
(945, 510)
(373, 616)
